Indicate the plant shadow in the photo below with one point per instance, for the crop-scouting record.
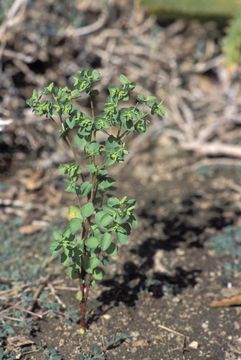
(184, 226)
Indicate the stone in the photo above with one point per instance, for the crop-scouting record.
(193, 345)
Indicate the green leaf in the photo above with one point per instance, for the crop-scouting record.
(74, 93)
(55, 248)
(105, 184)
(79, 296)
(64, 259)
(92, 168)
(98, 274)
(140, 98)
(103, 219)
(93, 148)
(74, 212)
(87, 210)
(123, 79)
(90, 263)
(112, 250)
(85, 188)
(106, 241)
(80, 141)
(75, 224)
(150, 100)
(125, 228)
(49, 89)
(101, 123)
(113, 201)
(94, 262)
(70, 122)
(72, 273)
(158, 109)
(92, 242)
(122, 238)
(57, 235)
(96, 75)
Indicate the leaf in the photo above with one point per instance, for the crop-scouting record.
(96, 75)
(112, 250)
(79, 296)
(74, 212)
(105, 184)
(75, 224)
(123, 79)
(140, 98)
(64, 259)
(94, 262)
(125, 228)
(72, 273)
(85, 188)
(70, 122)
(122, 238)
(150, 100)
(55, 248)
(49, 89)
(106, 241)
(74, 93)
(90, 263)
(87, 210)
(57, 235)
(103, 219)
(98, 274)
(92, 242)
(80, 141)
(92, 168)
(92, 148)
(113, 201)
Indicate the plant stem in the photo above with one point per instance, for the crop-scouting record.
(83, 304)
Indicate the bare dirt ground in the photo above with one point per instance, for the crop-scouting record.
(154, 302)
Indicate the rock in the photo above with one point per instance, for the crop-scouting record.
(205, 325)
(159, 258)
(140, 343)
(106, 316)
(135, 334)
(193, 345)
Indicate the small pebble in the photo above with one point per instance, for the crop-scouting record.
(135, 334)
(236, 325)
(106, 316)
(193, 345)
(205, 325)
(61, 342)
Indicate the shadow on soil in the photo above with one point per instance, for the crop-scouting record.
(186, 225)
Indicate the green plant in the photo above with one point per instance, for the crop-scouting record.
(100, 222)
(228, 244)
(189, 8)
(232, 41)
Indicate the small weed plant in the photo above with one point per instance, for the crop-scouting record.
(99, 222)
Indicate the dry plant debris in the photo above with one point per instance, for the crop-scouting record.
(181, 58)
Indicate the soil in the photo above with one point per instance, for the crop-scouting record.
(156, 294)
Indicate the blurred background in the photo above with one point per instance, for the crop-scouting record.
(184, 52)
(185, 171)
